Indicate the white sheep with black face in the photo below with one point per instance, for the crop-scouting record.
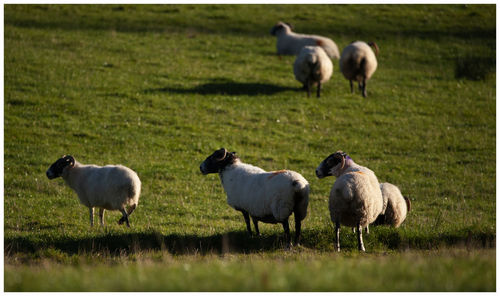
(358, 62)
(111, 187)
(396, 206)
(312, 67)
(290, 43)
(355, 198)
(269, 197)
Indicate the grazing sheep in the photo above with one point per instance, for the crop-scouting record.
(269, 197)
(112, 187)
(396, 206)
(312, 67)
(355, 198)
(290, 43)
(358, 62)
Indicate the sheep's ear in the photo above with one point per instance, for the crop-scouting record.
(70, 160)
(220, 154)
(338, 157)
(290, 25)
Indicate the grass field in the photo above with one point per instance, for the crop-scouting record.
(159, 87)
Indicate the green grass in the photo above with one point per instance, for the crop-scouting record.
(159, 87)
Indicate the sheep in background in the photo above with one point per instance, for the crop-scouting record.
(312, 67)
(396, 206)
(358, 62)
(112, 187)
(290, 43)
(269, 197)
(355, 198)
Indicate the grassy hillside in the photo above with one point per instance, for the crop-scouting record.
(159, 87)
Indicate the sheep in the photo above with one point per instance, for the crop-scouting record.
(355, 198)
(312, 67)
(290, 43)
(396, 206)
(358, 62)
(269, 197)
(112, 187)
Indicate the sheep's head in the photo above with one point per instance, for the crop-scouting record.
(332, 165)
(216, 162)
(57, 168)
(286, 27)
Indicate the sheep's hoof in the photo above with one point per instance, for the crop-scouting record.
(120, 222)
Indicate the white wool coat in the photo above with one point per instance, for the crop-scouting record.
(351, 61)
(290, 43)
(355, 197)
(263, 194)
(110, 187)
(312, 62)
(396, 210)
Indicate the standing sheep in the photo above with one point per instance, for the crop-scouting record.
(397, 206)
(312, 67)
(358, 62)
(290, 43)
(112, 187)
(355, 198)
(269, 197)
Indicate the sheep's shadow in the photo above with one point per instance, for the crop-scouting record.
(237, 242)
(116, 244)
(226, 87)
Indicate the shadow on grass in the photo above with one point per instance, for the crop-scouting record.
(234, 242)
(226, 87)
(241, 242)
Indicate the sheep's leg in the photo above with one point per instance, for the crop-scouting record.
(308, 88)
(124, 218)
(131, 209)
(298, 226)
(352, 88)
(101, 216)
(360, 238)
(256, 224)
(247, 221)
(286, 227)
(91, 214)
(367, 230)
(129, 212)
(319, 90)
(364, 88)
(337, 236)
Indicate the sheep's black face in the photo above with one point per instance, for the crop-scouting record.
(56, 169)
(216, 162)
(331, 164)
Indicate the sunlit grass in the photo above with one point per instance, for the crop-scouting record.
(159, 87)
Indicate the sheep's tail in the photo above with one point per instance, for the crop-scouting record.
(408, 203)
(134, 191)
(375, 46)
(300, 186)
(301, 198)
